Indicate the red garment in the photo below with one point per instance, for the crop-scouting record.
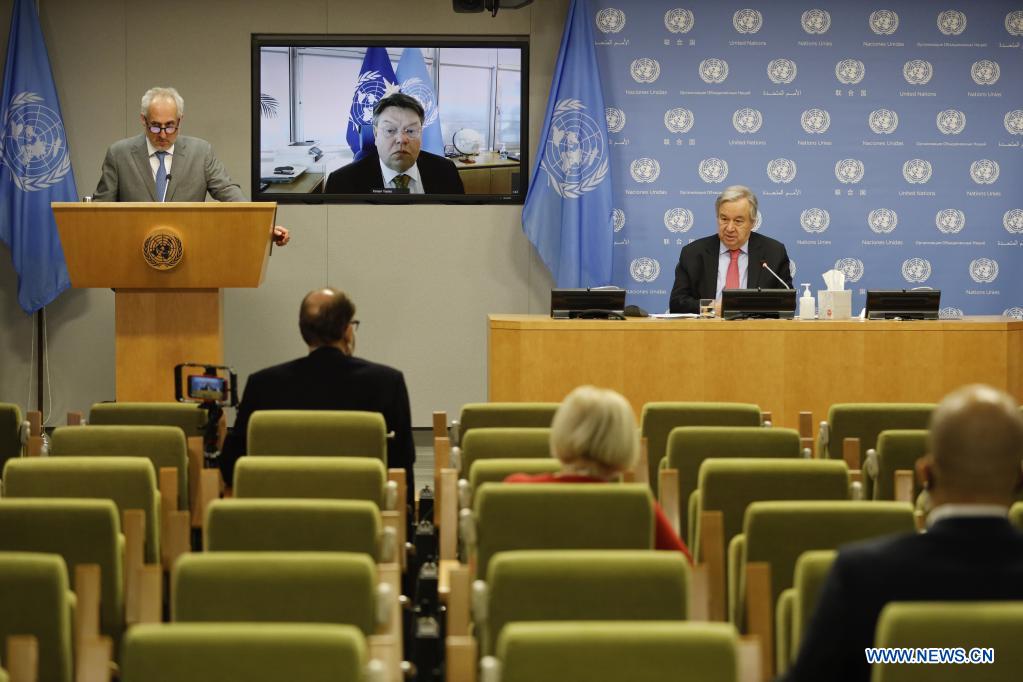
(732, 273)
(665, 536)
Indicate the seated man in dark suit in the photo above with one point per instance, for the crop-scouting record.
(329, 378)
(970, 551)
(398, 163)
(734, 258)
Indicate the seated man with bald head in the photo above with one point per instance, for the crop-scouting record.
(970, 552)
(330, 377)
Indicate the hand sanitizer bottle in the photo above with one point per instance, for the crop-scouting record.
(806, 304)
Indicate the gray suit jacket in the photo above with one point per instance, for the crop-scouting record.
(195, 170)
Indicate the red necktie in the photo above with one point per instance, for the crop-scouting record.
(732, 275)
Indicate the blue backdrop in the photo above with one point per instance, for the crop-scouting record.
(885, 142)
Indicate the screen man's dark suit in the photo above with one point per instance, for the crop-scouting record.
(976, 559)
(696, 275)
(327, 379)
(439, 176)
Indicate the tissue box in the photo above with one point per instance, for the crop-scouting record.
(834, 305)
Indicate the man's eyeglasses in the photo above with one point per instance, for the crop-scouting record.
(355, 325)
(155, 128)
(391, 132)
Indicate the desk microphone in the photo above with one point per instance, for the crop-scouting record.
(165, 188)
(767, 267)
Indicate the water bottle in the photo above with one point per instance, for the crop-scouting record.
(806, 305)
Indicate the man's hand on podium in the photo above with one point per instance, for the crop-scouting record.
(281, 235)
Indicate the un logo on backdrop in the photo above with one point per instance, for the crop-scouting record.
(883, 121)
(950, 221)
(884, 22)
(985, 72)
(645, 70)
(882, 220)
(849, 171)
(1012, 220)
(747, 120)
(984, 171)
(759, 221)
(617, 219)
(678, 220)
(644, 269)
(679, 20)
(645, 170)
(713, 170)
(610, 20)
(781, 170)
(781, 71)
(615, 119)
(747, 21)
(816, 21)
(850, 71)
(33, 143)
(916, 270)
(815, 220)
(1014, 122)
(815, 121)
(983, 270)
(1013, 313)
(713, 70)
(952, 22)
(950, 313)
(917, 72)
(951, 121)
(851, 267)
(916, 171)
(1014, 22)
(792, 267)
(678, 120)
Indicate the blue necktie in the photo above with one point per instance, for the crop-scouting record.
(161, 176)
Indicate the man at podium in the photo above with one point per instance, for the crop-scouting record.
(161, 166)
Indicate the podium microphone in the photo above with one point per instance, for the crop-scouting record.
(765, 266)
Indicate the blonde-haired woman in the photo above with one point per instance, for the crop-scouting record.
(594, 436)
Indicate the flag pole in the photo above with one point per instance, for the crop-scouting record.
(40, 350)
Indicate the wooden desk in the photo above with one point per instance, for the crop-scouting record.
(489, 175)
(308, 183)
(784, 366)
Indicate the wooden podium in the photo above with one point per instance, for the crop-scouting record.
(167, 263)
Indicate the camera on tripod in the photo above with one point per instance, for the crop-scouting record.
(214, 387)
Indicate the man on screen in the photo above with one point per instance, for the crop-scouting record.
(160, 165)
(398, 163)
(734, 258)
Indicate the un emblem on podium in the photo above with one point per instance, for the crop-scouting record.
(162, 248)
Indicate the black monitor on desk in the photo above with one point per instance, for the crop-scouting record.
(608, 304)
(741, 304)
(912, 304)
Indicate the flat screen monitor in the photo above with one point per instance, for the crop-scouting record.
(312, 116)
(739, 304)
(588, 303)
(913, 304)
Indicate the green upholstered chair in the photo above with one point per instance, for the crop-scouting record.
(897, 449)
(689, 446)
(3, 675)
(496, 470)
(189, 417)
(659, 419)
(346, 433)
(777, 533)
(274, 525)
(1016, 515)
(797, 603)
(551, 585)
(254, 652)
(36, 601)
(558, 516)
(129, 481)
(339, 478)
(81, 531)
(10, 432)
(865, 421)
(164, 446)
(952, 624)
(479, 415)
(730, 485)
(503, 443)
(603, 651)
(292, 587)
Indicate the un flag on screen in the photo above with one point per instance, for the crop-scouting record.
(415, 81)
(376, 81)
(567, 215)
(35, 164)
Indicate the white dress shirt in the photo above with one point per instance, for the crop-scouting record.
(154, 161)
(415, 185)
